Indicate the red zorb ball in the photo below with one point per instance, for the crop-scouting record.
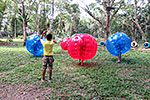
(82, 46)
(64, 43)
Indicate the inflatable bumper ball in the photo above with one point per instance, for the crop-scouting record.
(118, 43)
(64, 43)
(82, 46)
(34, 45)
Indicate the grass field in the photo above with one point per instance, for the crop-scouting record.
(99, 79)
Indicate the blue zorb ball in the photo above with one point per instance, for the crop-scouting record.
(118, 43)
(34, 45)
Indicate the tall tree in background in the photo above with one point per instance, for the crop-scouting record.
(51, 16)
(38, 12)
(136, 21)
(24, 22)
(67, 22)
(14, 19)
(25, 17)
(110, 11)
(2, 11)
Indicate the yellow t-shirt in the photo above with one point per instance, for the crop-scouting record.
(48, 47)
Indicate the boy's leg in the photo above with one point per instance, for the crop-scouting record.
(44, 67)
(50, 73)
(43, 74)
(51, 60)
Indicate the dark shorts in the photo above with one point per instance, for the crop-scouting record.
(48, 60)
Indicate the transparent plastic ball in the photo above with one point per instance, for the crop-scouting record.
(34, 45)
(118, 43)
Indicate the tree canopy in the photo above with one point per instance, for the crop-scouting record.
(64, 18)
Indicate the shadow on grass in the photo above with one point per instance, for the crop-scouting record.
(62, 53)
(126, 60)
(33, 56)
(86, 64)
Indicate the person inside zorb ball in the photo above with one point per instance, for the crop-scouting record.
(118, 44)
(80, 46)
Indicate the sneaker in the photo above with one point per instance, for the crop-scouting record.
(42, 79)
(118, 61)
(50, 80)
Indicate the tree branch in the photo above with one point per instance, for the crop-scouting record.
(31, 7)
(88, 11)
(131, 19)
(115, 12)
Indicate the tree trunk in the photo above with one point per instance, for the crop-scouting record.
(107, 25)
(15, 28)
(38, 18)
(141, 31)
(108, 7)
(136, 21)
(0, 30)
(24, 24)
(146, 23)
(52, 16)
(70, 32)
(38, 26)
(106, 33)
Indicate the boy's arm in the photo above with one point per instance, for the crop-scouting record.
(44, 32)
(41, 37)
(55, 41)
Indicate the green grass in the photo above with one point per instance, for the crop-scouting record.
(99, 78)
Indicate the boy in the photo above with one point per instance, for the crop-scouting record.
(48, 55)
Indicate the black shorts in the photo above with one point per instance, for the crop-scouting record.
(48, 60)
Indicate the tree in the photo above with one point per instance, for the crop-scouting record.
(67, 21)
(2, 11)
(52, 16)
(24, 22)
(25, 19)
(110, 9)
(136, 20)
(144, 18)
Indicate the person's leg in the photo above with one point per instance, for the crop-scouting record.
(119, 58)
(43, 74)
(51, 60)
(50, 73)
(82, 62)
(44, 68)
(79, 61)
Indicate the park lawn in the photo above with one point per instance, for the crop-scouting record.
(99, 78)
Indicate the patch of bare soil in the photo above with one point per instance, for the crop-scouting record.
(7, 44)
(124, 74)
(22, 92)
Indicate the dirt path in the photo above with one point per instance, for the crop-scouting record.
(22, 92)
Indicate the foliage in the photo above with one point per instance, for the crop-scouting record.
(70, 19)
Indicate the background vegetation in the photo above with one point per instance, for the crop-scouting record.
(63, 18)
